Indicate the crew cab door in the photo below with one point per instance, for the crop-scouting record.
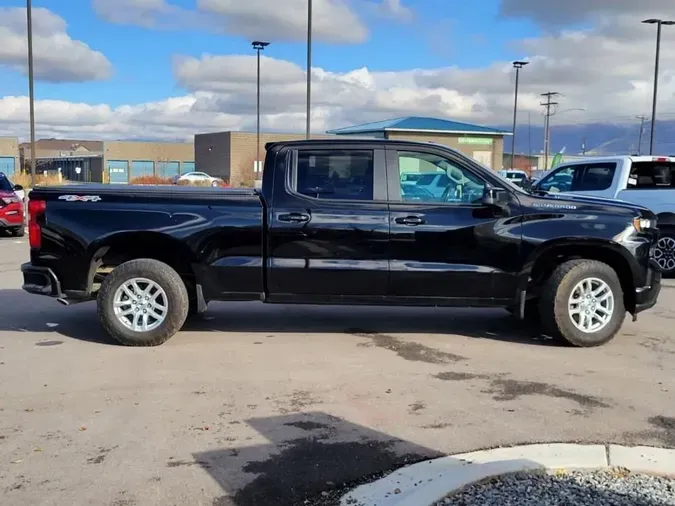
(455, 246)
(328, 232)
(595, 179)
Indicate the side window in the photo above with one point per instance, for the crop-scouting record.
(440, 180)
(597, 177)
(561, 180)
(335, 175)
(651, 176)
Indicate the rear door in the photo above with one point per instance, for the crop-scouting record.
(593, 178)
(328, 230)
(452, 246)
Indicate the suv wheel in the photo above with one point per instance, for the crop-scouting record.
(664, 253)
(142, 303)
(582, 303)
(18, 232)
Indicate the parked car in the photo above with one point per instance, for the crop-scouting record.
(517, 177)
(200, 177)
(332, 225)
(11, 207)
(648, 181)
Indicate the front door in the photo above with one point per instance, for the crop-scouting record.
(452, 246)
(329, 226)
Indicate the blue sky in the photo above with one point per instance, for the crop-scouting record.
(443, 33)
(166, 69)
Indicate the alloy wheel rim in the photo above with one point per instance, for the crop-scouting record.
(664, 253)
(140, 304)
(591, 305)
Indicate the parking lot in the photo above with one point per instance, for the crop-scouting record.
(274, 405)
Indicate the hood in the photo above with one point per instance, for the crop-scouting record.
(571, 198)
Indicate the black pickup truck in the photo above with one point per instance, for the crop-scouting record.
(336, 223)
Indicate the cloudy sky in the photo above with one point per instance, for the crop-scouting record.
(166, 69)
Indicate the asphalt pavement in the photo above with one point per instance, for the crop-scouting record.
(284, 405)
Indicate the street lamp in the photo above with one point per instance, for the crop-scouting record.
(258, 46)
(31, 92)
(517, 65)
(309, 66)
(659, 23)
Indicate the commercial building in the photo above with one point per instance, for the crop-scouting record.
(232, 155)
(484, 144)
(9, 155)
(109, 161)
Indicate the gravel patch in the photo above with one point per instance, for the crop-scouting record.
(613, 487)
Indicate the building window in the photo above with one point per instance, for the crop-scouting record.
(168, 169)
(140, 168)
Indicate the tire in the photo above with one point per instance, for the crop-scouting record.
(555, 304)
(18, 232)
(174, 299)
(664, 254)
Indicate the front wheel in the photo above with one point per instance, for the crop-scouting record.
(664, 253)
(19, 231)
(582, 304)
(142, 302)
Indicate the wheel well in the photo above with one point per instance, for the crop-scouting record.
(548, 261)
(666, 220)
(120, 249)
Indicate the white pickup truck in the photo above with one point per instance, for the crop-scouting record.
(648, 181)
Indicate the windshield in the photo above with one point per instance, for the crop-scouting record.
(5, 184)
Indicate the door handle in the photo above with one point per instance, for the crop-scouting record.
(294, 217)
(411, 220)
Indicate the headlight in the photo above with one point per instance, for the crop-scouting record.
(10, 200)
(644, 224)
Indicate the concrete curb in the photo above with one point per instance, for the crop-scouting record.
(426, 482)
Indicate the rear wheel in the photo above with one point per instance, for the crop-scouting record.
(582, 304)
(142, 302)
(18, 232)
(664, 253)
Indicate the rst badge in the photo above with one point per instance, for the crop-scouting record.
(80, 198)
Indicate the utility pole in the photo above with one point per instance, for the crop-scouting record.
(642, 131)
(309, 67)
(31, 92)
(659, 23)
(583, 145)
(258, 46)
(547, 125)
(517, 65)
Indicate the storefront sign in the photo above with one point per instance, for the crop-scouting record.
(484, 141)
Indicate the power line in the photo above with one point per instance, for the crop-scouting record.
(548, 104)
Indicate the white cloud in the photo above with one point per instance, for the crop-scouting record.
(558, 14)
(56, 56)
(332, 20)
(607, 70)
(395, 9)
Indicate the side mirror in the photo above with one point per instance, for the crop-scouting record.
(18, 187)
(495, 197)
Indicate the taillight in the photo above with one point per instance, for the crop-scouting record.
(35, 209)
(5, 201)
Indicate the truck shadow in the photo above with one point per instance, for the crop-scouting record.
(23, 312)
(315, 459)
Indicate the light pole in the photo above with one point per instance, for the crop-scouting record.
(258, 46)
(309, 66)
(31, 92)
(517, 65)
(659, 23)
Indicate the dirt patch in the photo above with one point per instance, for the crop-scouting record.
(48, 343)
(509, 390)
(458, 376)
(412, 351)
(439, 425)
(416, 407)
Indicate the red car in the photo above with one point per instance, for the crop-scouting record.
(11, 208)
